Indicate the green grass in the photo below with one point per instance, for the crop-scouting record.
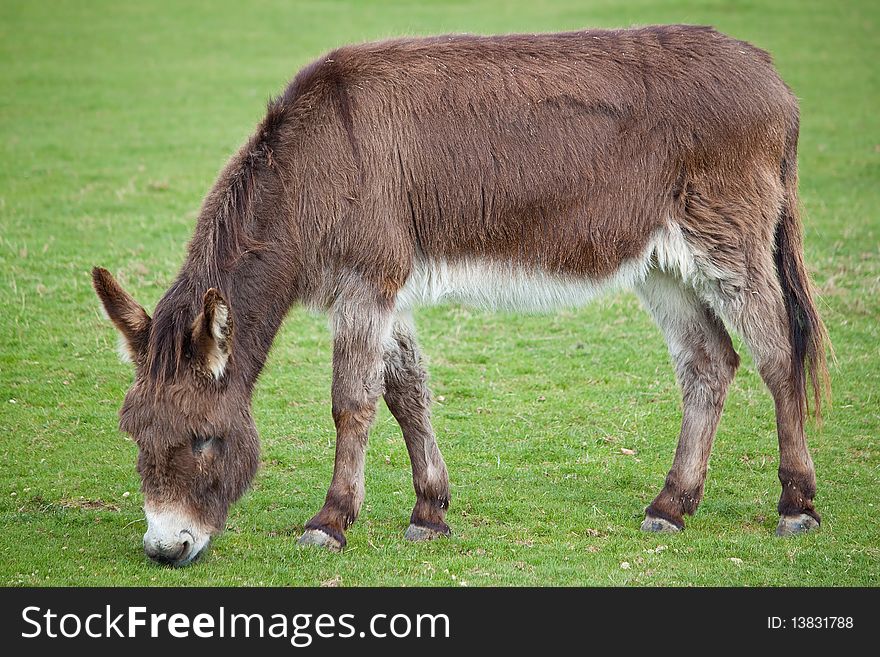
(114, 119)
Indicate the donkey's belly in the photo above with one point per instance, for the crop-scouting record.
(505, 286)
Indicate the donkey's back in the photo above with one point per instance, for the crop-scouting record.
(565, 153)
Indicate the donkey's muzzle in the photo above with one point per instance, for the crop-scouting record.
(174, 537)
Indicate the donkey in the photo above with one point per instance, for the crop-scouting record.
(520, 172)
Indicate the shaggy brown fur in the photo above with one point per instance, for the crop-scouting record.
(560, 153)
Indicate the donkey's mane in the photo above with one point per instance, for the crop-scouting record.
(226, 231)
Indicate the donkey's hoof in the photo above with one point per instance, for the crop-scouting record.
(658, 525)
(791, 525)
(420, 533)
(320, 539)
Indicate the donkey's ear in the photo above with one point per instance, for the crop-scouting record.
(212, 334)
(127, 315)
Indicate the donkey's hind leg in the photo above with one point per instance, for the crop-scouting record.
(758, 314)
(705, 363)
(408, 399)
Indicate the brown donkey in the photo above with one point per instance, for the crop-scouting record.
(524, 171)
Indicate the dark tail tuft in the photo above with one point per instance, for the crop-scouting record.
(807, 334)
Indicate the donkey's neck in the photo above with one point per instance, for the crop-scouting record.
(242, 245)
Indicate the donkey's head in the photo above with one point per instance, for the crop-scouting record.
(197, 443)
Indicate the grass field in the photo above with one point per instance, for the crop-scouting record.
(114, 120)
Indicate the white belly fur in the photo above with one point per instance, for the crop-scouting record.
(504, 286)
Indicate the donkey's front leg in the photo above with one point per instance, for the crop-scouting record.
(359, 332)
(409, 401)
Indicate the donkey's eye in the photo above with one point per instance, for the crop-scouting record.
(202, 443)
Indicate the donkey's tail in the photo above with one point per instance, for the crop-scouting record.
(807, 334)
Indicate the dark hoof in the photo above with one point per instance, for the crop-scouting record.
(419, 533)
(319, 539)
(791, 525)
(658, 525)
